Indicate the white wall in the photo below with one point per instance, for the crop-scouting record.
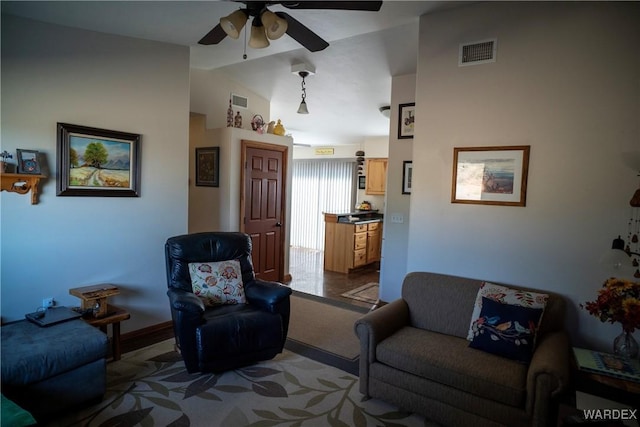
(393, 266)
(218, 208)
(56, 74)
(565, 83)
(210, 92)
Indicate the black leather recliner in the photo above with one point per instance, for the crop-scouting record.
(216, 339)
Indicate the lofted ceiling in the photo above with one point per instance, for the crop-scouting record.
(353, 75)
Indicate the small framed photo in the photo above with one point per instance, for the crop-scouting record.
(208, 166)
(406, 120)
(362, 182)
(28, 161)
(97, 162)
(490, 175)
(407, 172)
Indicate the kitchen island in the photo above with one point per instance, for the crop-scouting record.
(352, 240)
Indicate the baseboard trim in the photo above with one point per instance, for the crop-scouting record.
(160, 328)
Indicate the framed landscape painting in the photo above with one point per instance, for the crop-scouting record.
(97, 162)
(490, 175)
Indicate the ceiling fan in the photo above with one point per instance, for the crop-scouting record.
(267, 25)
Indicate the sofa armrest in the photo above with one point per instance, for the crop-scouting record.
(266, 295)
(549, 373)
(185, 301)
(375, 327)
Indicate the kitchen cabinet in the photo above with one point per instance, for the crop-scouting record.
(351, 244)
(376, 176)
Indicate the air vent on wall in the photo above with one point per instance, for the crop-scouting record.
(239, 101)
(480, 52)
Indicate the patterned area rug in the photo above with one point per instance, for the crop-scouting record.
(367, 293)
(151, 387)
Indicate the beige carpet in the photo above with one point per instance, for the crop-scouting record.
(326, 327)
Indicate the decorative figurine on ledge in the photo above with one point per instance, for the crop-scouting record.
(279, 129)
(229, 115)
(3, 164)
(237, 122)
(257, 124)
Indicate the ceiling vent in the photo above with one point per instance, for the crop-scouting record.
(239, 101)
(480, 52)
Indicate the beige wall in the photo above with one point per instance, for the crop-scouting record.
(565, 83)
(56, 74)
(210, 92)
(395, 235)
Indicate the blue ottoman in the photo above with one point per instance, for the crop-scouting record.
(48, 370)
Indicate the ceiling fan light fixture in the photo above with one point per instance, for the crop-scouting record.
(258, 38)
(234, 23)
(275, 27)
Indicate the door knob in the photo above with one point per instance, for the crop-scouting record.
(278, 224)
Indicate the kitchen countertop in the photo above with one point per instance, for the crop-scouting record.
(357, 217)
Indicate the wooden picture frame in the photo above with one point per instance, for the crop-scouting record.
(362, 182)
(490, 175)
(406, 120)
(208, 166)
(28, 162)
(407, 175)
(97, 162)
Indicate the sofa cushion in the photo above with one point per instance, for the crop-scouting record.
(450, 361)
(31, 353)
(217, 283)
(504, 295)
(242, 330)
(506, 330)
(429, 297)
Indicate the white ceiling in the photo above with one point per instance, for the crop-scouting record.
(353, 75)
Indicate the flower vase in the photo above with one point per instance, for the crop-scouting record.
(625, 345)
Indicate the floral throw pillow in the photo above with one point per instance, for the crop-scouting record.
(217, 283)
(506, 330)
(505, 295)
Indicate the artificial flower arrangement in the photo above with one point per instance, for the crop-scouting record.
(618, 301)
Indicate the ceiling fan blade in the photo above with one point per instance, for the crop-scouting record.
(302, 34)
(372, 6)
(214, 36)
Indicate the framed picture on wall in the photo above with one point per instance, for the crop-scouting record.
(362, 182)
(28, 161)
(490, 175)
(97, 162)
(208, 166)
(406, 120)
(407, 172)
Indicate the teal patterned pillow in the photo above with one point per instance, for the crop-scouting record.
(217, 283)
(506, 330)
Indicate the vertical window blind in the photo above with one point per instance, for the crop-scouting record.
(319, 186)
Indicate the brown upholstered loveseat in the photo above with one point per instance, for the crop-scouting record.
(414, 354)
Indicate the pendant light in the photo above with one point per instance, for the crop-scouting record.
(303, 105)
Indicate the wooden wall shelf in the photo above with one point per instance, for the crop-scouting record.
(22, 183)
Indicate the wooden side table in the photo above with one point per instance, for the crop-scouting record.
(114, 316)
(621, 390)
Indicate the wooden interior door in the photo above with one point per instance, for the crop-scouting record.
(263, 204)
